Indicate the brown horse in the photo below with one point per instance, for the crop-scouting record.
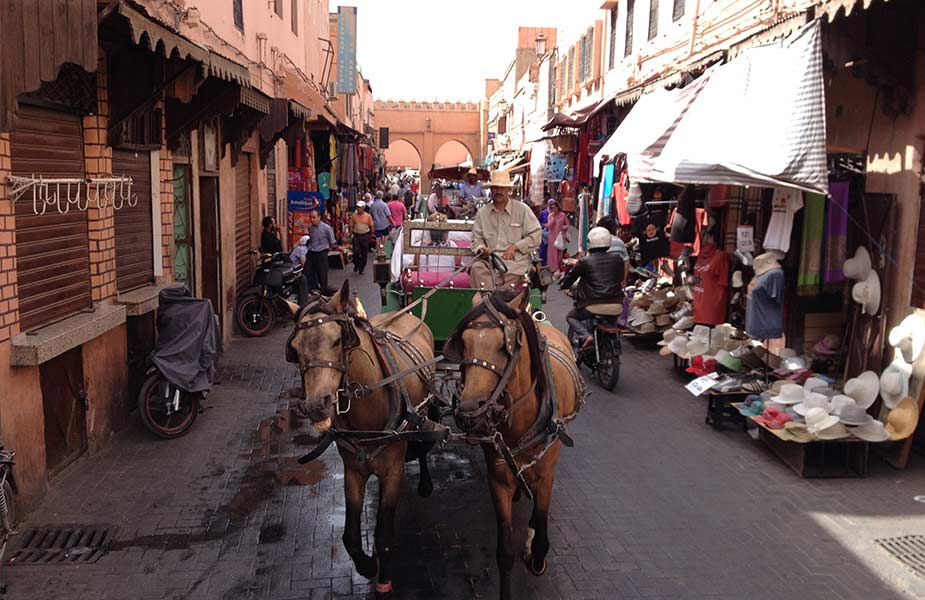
(519, 381)
(342, 358)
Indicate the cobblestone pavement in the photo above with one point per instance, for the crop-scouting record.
(650, 503)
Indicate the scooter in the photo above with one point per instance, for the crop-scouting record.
(275, 287)
(181, 368)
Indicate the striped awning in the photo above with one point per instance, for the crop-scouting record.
(757, 120)
(831, 8)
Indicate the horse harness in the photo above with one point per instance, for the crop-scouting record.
(405, 421)
(548, 426)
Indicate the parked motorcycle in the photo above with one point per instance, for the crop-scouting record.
(275, 288)
(182, 365)
(7, 491)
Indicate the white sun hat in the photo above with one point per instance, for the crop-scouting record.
(909, 336)
(854, 415)
(701, 333)
(679, 346)
(839, 403)
(684, 323)
(790, 393)
(810, 401)
(864, 388)
(818, 420)
(867, 293)
(835, 432)
(894, 381)
(667, 336)
(858, 266)
(815, 382)
(872, 431)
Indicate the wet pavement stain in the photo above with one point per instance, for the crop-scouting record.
(270, 534)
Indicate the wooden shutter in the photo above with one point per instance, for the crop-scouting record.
(134, 229)
(52, 250)
(243, 228)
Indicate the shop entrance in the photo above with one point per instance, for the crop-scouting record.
(64, 402)
(211, 242)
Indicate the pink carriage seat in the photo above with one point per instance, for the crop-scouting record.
(432, 278)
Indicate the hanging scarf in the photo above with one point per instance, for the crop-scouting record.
(809, 279)
(836, 232)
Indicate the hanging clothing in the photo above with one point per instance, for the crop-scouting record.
(557, 224)
(619, 193)
(809, 277)
(764, 314)
(784, 205)
(711, 285)
(584, 160)
(683, 227)
(836, 232)
(701, 220)
(653, 243)
(604, 199)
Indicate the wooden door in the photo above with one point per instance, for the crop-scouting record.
(211, 246)
(64, 404)
(243, 225)
(52, 249)
(134, 224)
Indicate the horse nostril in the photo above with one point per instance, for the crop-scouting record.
(328, 400)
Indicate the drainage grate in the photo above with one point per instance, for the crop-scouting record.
(63, 544)
(907, 549)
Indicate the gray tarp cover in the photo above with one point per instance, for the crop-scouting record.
(188, 343)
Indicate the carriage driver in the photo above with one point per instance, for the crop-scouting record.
(507, 228)
(600, 281)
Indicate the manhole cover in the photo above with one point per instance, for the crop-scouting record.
(56, 545)
(907, 549)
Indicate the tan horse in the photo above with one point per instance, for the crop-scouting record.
(336, 350)
(512, 388)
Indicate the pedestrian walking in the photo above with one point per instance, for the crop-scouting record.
(558, 236)
(382, 217)
(361, 226)
(397, 212)
(321, 242)
(544, 222)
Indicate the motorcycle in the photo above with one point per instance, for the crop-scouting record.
(276, 286)
(182, 365)
(602, 356)
(7, 491)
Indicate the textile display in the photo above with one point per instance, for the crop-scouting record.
(711, 285)
(537, 173)
(584, 164)
(809, 277)
(836, 232)
(604, 198)
(706, 132)
(683, 227)
(701, 220)
(620, 193)
(556, 165)
(653, 243)
(784, 205)
(764, 314)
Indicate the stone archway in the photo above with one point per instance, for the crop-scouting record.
(402, 153)
(452, 152)
(429, 125)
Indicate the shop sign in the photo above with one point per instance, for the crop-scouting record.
(300, 205)
(347, 49)
(745, 238)
(702, 384)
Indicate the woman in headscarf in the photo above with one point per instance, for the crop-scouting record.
(558, 233)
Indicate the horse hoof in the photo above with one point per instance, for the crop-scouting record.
(538, 572)
(425, 489)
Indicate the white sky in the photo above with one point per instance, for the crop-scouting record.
(445, 49)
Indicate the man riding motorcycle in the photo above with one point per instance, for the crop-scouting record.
(599, 276)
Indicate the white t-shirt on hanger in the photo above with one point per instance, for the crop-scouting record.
(785, 203)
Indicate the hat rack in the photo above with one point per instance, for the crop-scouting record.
(73, 192)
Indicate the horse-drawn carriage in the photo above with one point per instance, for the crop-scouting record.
(380, 388)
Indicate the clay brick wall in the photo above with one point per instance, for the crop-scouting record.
(9, 300)
(166, 168)
(101, 223)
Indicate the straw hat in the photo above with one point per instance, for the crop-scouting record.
(663, 320)
(873, 431)
(796, 432)
(766, 262)
(500, 179)
(867, 293)
(863, 388)
(648, 327)
(679, 346)
(894, 381)
(684, 323)
(858, 266)
(657, 308)
(697, 347)
(902, 420)
(840, 402)
(701, 333)
(472, 171)
(810, 401)
(818, 420)
(667, 336)
(854, 415)
(813, 383)
(909, 336)
(835, 432)
(671, 300)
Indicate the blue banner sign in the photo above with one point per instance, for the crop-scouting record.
(347, 49)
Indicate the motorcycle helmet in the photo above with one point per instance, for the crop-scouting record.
(598, 237)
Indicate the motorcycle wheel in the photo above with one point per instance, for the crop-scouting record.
(255, 316)
(157, 412)
(607, 370)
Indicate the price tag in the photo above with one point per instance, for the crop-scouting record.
(702, 384)
(745, 238)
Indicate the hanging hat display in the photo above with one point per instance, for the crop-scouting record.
(902, 420)
(863, 388)
(858, 266)
(909, 337)
(894, 381)
(867, 293)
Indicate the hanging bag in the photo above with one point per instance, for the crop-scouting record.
(560, 241)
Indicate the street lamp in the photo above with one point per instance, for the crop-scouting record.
(540, 44)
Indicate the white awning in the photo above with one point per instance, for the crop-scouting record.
(757, 120)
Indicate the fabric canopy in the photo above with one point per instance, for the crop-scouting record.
(758, 120)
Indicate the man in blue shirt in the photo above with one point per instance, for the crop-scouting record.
(382, 216)
(321, 240)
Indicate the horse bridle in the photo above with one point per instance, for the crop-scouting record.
(492, 410)
(345, 322)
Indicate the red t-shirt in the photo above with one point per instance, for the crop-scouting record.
(397, 211)
(711, 287)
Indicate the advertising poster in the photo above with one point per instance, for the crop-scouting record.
(300, 205)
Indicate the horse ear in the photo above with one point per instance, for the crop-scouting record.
(520, 301)
(476, 299)
(341, 300)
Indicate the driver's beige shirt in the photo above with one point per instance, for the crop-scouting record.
(497, 230)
